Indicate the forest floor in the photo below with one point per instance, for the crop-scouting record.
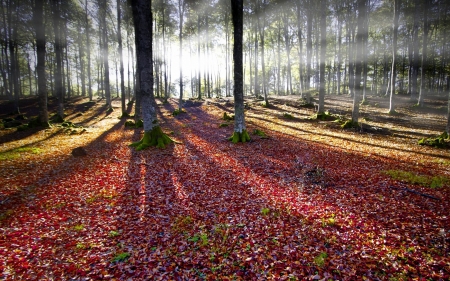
(309, 202)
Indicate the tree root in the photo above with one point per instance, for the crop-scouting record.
(240, 137)
(155, 137)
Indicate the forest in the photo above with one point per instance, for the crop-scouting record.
(225, 140)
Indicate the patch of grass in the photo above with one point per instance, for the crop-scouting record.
(78, 227)
(15, 153)
(265, 211)
(121, 257)
(320, 259)
(412, 178)
(80, 246)
(113, 233)
(202, 238)
(325, 116)
(223, 125)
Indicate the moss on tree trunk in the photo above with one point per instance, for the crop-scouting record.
(155, 137)
(239, 137)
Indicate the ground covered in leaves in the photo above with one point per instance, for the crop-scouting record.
(307, 201)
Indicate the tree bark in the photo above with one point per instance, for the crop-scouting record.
(323, 53)
(58, 57)
(240, 133)
(358, 60)
(153, 135)
(40, 68)
(394, 54)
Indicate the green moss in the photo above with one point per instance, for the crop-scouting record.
(223, 125)
(227, 117)
(178, 111)
(288, 116)
(240, 137)
(259, 133)
(125, 115)
(349, 124)
(325, 116)
(155, 137)
(139, 124)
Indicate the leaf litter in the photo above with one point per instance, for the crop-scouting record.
(296, 205)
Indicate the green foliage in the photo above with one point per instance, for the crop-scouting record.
(223, 125)
(412, 178)
(441, 141)
(121, 257)
(320, 259)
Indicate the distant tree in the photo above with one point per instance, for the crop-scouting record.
(240, 132)
(426, 27)
(394, 54)
(58, 75)
(358, 63)
(323, 53)
(119, 39)
(153, 134)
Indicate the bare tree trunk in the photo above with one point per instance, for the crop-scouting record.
(424, 53)
(394, 54)
(40, 68)
(122, 78)
(58, 56)
(358, 60)
(323, 53)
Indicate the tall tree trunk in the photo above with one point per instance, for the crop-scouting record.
(309, 17)
(358, 60)
(424, 66)
(394, 55)
(300, 49)
(88, 49)
(240, 133)
(415, 43)
(323, 53)
(119, 38)
(105, 53)
(58, 57)
(180, 38)
(153, 135)
(40, 68)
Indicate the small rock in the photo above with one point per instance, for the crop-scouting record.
(79, 151)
